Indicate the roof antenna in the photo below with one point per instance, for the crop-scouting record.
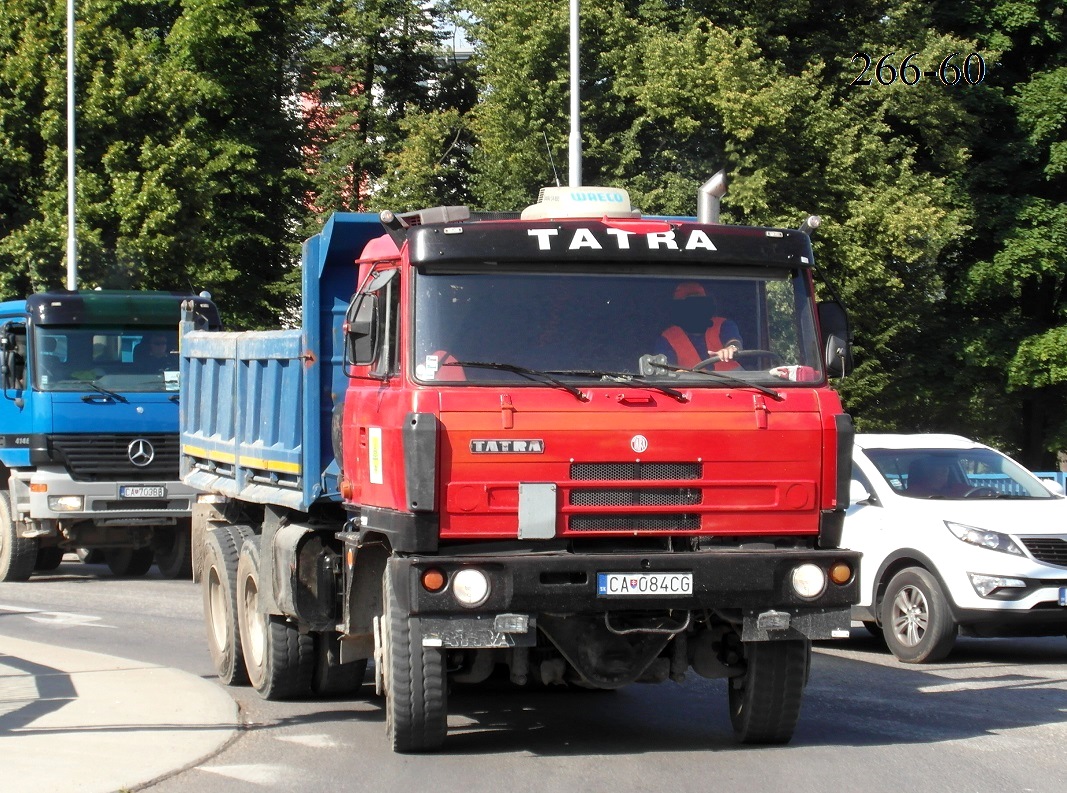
(555, 173)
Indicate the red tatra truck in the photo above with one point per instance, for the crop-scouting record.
(488, 447)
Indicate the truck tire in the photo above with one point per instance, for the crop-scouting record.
(765, 701)
(916, 618)
(128, 562)
(174, 552)
(219, 586)
(48, 559)
(332, 678)
(18, 555)
(279, 659)
(416, 697)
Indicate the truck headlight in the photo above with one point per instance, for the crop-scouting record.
(992, 540)
(809, 581)
(471, 587)
(66, 503)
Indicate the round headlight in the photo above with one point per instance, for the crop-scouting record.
(471, 587)
(809, 580)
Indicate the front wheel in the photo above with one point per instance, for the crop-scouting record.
(916, 618)
(416, 697)
(278, 658)
(18, 555)
(765, 701)
(174, 552)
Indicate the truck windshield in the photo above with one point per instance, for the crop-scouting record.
(650, 324)
(85, 358)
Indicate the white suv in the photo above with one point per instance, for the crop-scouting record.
(955, 537)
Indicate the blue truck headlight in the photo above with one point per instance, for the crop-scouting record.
(66, 503)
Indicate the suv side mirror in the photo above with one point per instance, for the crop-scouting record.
(836, 337)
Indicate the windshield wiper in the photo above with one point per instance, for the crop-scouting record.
(626, 378)
(106, 392)
(530, 374)
(651, 362)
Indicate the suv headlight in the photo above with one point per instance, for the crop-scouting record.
(993, 540)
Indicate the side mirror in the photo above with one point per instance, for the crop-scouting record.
(361, 330)
(857, 493)
(836, 336)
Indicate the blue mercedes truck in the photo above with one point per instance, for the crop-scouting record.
(89, 431)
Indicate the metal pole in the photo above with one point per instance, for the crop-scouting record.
(72, 248)
(575, 151)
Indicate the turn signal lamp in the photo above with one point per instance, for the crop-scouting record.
(433, 580)
(841, 573)
(346, 489)
(38, 488)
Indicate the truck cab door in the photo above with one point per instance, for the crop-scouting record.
(371, 429)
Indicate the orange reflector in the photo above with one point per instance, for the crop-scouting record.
(841, 573)
(350, 557)
(346, 489)
(433, 580)
(38, 488)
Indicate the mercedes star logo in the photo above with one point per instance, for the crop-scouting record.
(141, 453)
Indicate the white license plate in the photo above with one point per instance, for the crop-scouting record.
(644, 584)
(142, 491)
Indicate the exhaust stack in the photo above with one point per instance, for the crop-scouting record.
(709, 197)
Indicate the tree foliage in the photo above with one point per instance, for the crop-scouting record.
(213, 134)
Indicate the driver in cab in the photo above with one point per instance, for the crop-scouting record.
(699, 333)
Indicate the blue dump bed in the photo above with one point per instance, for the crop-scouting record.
(257, 406)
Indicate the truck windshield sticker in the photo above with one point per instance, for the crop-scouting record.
(502, 446)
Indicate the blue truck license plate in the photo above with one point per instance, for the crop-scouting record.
(142, 491)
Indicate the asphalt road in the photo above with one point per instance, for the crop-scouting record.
(991, 719)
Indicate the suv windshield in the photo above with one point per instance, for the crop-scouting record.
(134, 358)
(955, 473)
(644, 324)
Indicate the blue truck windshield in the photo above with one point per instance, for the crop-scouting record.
(569, 323)
(133, 359)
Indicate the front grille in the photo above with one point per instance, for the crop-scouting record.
(635, 522)
(664, 472)
(1047, 550)
(632, 491)
(104, 458)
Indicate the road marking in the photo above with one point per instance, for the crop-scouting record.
(257, 774)
(62, 619)
(314, 741)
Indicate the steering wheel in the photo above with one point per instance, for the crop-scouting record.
(740, 354)
(982, 490)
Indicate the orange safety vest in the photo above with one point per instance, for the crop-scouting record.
(688, 356)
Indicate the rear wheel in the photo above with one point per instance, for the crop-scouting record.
(916, 618)
(128, 562)
(765, 701)
(48, 559)
(279, 659)
(174, 552)
(18, 555)
(219, 587)
(416, 697)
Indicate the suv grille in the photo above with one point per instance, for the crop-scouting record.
(102, 458)
(1047, 550)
